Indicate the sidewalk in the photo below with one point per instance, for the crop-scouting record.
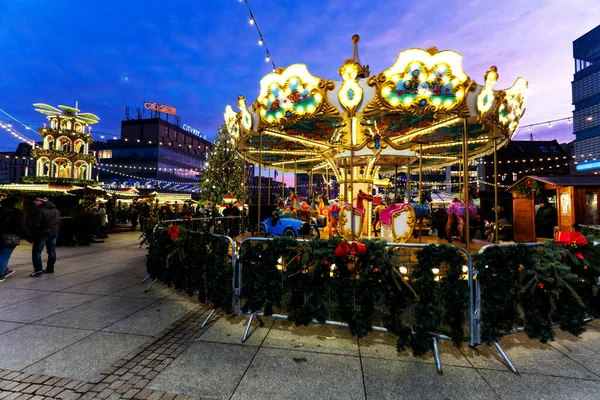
(90, 331)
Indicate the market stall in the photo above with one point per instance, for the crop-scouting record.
(574, 200)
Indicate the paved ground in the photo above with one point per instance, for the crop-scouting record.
(90, 331)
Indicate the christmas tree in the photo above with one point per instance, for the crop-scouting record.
(224, 172)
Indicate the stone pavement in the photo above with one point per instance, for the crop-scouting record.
(90, 331)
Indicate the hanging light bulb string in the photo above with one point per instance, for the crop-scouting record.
(548, 123)
(16, 120)
(16, 133)
(148, 179)
(261, 39)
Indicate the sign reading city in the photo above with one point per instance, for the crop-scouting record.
(161, 108)
(193, 131)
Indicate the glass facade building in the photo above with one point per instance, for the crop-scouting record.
(586, 99)
(152, 154)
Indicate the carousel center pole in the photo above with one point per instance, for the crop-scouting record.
(327, 180)
(495, 189)
(396, 185)
(352, 140)
(420, 188)
(259, 175)
(466, 226)
(296, 178)
(269, 185)
(282, 182)
(408, 183)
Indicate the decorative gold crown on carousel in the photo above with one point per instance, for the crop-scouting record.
(422, 107)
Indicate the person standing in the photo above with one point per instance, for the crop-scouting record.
(102, 221)
(12, 227)
(546, 219)
(44, 231)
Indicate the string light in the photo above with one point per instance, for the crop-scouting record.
(149, 168)
(148, 179)
(17, 134)
(261, 39)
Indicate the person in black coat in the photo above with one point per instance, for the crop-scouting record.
(546, 219)
(44, 231)
(12, 222)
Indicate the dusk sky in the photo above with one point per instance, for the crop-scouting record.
(198, 56)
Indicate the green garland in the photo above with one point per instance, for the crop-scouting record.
(529, 188)
(445, 301)
(197, 263)
(549, 295)
(307, 277)
(307, 281)
(499, 279)
(261, 279)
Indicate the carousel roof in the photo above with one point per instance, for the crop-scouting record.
(422, 104)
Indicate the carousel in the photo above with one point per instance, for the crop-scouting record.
(423, 112)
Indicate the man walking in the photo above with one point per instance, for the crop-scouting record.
(44, 231)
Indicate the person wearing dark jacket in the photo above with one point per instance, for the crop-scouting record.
(546, 219)
(44, 231)
(12, 222)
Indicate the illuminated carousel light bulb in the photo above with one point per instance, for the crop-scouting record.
(251, 21)
(267, 58)
(403, 270)
(260, 42)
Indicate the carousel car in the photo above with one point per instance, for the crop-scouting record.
(289, 227)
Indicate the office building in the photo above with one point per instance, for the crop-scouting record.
(14, 165)
(153, 154)
(586, 99)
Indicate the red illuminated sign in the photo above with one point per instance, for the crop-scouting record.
(161, 108)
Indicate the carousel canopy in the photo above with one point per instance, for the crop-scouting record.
(422, 105)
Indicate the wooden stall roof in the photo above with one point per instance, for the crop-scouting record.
(562, 180)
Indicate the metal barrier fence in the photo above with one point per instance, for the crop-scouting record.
(234, 255)
(475, 295)
(409, 247)
(228, 226)
(476, 314)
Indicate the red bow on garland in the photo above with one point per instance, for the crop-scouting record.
(173, 231)
(574, 240)
(346, 249)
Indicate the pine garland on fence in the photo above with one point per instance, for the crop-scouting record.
(499, 279)
(303, 279)
(443, 301)
(261, 280)
(194, 262)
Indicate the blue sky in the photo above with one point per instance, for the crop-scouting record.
(198, 56)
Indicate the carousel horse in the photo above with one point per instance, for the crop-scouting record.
(456, 215)
(422, 208)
